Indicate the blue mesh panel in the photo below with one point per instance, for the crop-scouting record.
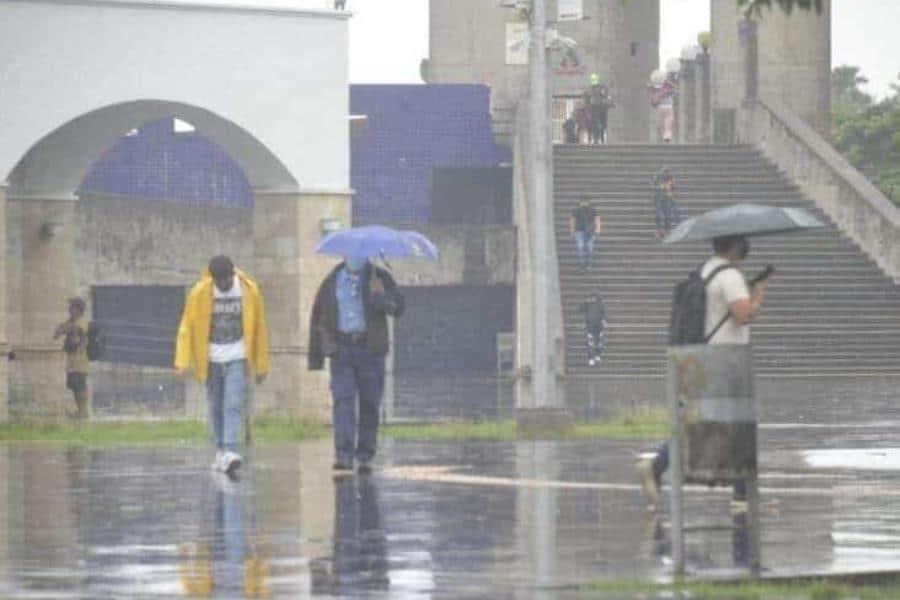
(159, 164)
(412, 129)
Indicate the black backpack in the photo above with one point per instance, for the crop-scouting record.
(96, 341)
(688, 319)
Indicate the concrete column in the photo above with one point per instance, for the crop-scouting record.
(688, 101)
(4, 345)
(286, 229)
(41, 278)
(6, 506)
(537, 512)
(704, 99)
(748, 33)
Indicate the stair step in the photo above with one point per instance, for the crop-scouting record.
(830, 310)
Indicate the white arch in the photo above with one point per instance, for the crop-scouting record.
(267, 84)
(57, 164)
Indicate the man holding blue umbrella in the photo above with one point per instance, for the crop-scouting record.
(349, 326)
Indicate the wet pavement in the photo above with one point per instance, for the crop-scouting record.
(436, 519)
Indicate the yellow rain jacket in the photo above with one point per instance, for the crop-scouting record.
(192, 345)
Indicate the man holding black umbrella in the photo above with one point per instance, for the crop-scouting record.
(731, 304)
(349, 326)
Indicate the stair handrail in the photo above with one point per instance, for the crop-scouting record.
(861, 210)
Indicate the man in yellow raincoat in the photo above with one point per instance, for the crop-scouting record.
(223, 338)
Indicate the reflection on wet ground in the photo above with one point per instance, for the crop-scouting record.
(442, 519)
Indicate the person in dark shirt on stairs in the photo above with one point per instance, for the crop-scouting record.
(584, 225)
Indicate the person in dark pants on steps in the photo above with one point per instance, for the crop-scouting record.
(584, 225)
(666, 211)
(349, 326)
(594, 327)
(730, 306)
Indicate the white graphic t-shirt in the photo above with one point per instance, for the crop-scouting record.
(226, 333)
(726, 287)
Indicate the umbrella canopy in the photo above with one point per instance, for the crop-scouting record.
(375, 241)
(743, 219)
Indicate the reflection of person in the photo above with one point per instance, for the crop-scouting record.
(224, 339)
(594, 313)
(730, 306)
(584, 224)
(74, 333)
(359, 560)
(666, 211)
(229, 567)
(349, 325)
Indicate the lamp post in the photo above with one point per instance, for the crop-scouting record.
(543, 364)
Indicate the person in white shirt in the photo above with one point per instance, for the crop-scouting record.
(730, 306)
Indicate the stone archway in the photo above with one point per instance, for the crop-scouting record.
(41, 223)
(269, 85)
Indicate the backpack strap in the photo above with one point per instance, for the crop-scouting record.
(727, 316)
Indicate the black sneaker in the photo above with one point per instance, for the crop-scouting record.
(342, 466)
(364, 468)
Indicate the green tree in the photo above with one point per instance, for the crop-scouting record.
(845, 87)
(867, 133)
(755, 7)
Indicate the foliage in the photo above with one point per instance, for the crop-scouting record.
(626, 424)
(866, 132)
(755, 7)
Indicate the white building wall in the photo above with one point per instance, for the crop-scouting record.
(279, 74)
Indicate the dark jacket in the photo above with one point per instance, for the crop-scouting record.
(323, 324)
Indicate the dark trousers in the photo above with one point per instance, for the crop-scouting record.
(661, 465)
(595, 337)
(667, 213)
(357, 378)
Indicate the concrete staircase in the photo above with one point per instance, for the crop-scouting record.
(830, 310)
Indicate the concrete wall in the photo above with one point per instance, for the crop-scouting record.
(470, 255)
(127, 241)
(861, 211)
(468, 41)
(794, 60)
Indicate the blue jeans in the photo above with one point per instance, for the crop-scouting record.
(585, 243)
(667, 213)
(357, 377)
(229, 544)
(226, 389)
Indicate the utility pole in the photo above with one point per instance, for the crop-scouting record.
(543, 363)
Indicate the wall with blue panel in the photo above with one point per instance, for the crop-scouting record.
(412, 129)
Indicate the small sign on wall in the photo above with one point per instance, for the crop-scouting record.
(570, 10)
(518, 39)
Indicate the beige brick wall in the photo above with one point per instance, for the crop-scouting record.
(286, 231)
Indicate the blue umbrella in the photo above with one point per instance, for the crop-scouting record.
(376, 241)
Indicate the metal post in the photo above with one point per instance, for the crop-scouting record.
(543, 370)
(753, 530)
(676, 472)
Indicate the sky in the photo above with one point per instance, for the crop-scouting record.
(389, 38)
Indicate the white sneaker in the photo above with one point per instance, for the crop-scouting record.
(231, 461)
(591, 362)
(217, 463)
